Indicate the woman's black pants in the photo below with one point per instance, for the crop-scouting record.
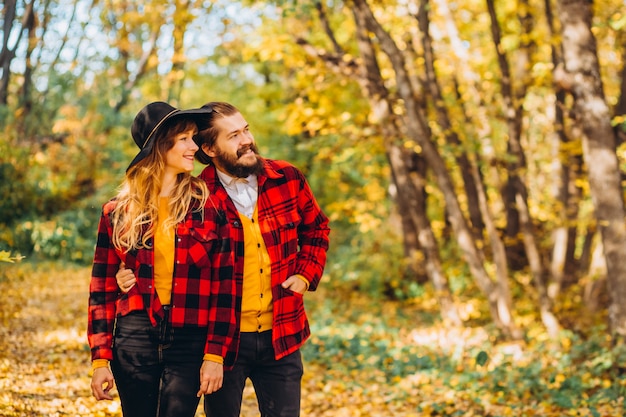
(157, 369)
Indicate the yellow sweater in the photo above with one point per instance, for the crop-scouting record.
(256, 300)
(163, 255)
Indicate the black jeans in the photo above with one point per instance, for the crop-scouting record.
(276, 383)
(157, 369)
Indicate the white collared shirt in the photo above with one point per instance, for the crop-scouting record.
(243, 192)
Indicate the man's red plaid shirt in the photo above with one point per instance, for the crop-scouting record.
(295, 232)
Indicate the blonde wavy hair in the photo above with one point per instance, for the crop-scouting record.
(136, 212)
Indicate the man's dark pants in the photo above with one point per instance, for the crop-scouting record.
(276, 383)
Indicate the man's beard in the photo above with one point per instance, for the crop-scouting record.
(233, 167)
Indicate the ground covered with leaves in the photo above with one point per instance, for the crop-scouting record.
(365, 358)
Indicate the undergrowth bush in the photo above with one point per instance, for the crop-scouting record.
(372, 263)
(391, 344)
(52, 187)
(68, 236)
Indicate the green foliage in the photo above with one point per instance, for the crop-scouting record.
(13, 194)
(68, 236)
(372, 263)
(53, 185)
(22, 191)
(357, 351)
(390, 344)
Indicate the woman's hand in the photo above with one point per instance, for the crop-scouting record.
(102, 383)
(125, 278)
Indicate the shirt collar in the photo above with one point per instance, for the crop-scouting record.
(230, 181)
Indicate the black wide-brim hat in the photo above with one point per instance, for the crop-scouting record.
(200, 156)
(153, 117)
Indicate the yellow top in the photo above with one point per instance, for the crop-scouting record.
(256, 300)
(164, 248)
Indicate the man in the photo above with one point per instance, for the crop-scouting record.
(279, 238)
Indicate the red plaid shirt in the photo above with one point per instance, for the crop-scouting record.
(203, 287)
(295, 232)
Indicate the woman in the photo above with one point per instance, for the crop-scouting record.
(165, 339)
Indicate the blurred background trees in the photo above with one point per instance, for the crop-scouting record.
(469, 153)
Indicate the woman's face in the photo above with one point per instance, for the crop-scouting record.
(179, 158)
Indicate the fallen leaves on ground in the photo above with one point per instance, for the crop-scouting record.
(360, 362)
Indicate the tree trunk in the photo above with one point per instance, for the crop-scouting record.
(594, 292)
(413, 189)
(497, 246)
(137, 53)
(443, 118)
(415, 199)
(584, 260)
(581, 73)
(29, 27)
(418, 131)
(410, 234)
(620, 108)
(516, 195)
(563, 264)
(140, 70)
(7, 53)
(176, 77)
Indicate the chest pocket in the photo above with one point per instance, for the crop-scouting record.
(200, 244)
(285, 235)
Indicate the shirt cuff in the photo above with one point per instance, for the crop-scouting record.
(213, 358)
(306, 281)
(99, 363)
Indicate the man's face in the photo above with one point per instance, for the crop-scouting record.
(234, 151)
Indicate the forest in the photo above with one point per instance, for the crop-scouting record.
(470, 155)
